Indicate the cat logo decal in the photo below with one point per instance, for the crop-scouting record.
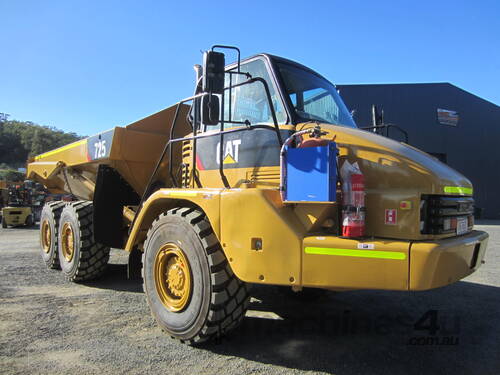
(230, 152)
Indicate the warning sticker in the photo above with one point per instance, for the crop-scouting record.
(366, 246)
(391, 217)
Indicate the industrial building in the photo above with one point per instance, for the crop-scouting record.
(459, 128)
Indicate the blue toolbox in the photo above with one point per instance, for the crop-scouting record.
(311, 174)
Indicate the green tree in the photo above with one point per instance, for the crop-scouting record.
(37, 146)
(19, 140)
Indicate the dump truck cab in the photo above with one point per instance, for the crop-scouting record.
(262, 176)
(414, 203)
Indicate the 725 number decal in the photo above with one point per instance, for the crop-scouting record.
(100, 149)
(99, 145)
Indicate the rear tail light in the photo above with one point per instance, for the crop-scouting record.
(440, 214)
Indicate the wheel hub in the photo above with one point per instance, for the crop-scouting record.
(68, 242)
(172, 276)
(46, 236)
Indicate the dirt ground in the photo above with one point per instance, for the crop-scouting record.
(48, 325)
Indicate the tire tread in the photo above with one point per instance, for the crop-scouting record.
(93, 260)
(55, 208)
(230, 296)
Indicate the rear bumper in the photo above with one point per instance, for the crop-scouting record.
(439, 263)
(340, 263)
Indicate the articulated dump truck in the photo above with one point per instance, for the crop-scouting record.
(260, 177)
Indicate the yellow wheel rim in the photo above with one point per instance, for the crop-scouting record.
(46, 236)
(172, 277)
(68, 242)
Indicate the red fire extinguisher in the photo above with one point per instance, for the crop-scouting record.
(353, 204)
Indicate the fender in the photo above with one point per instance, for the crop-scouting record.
(207, 200)
(262, 233)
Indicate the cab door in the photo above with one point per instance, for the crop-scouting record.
(248, 150)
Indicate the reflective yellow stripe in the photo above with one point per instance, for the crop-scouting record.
(71, 145)
(457, 190)
(356, 253)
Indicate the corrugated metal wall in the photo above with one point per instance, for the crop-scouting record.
(472, 147)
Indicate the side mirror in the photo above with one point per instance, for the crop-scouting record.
(210, 109)
(213, 72)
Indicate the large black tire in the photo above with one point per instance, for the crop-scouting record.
(51, 213)
(218, 299)
(4, 223)
(89, 259)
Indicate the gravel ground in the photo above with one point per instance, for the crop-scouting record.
(50, 326)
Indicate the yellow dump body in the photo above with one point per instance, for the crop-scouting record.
(132, 150)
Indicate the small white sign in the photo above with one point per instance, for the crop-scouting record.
(366, 246)
(462, 225)
(447, 117)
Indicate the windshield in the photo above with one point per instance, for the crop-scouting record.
(314, 98)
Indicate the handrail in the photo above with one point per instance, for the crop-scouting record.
(168, 146)
(220, 46)
(388, 127)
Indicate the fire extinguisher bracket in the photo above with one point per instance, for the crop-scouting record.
(311, 174)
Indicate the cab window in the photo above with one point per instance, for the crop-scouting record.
(249, 102)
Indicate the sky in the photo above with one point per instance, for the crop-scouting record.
(87, 65)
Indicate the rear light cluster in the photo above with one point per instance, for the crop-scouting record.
(451, 223)
(446, 214)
